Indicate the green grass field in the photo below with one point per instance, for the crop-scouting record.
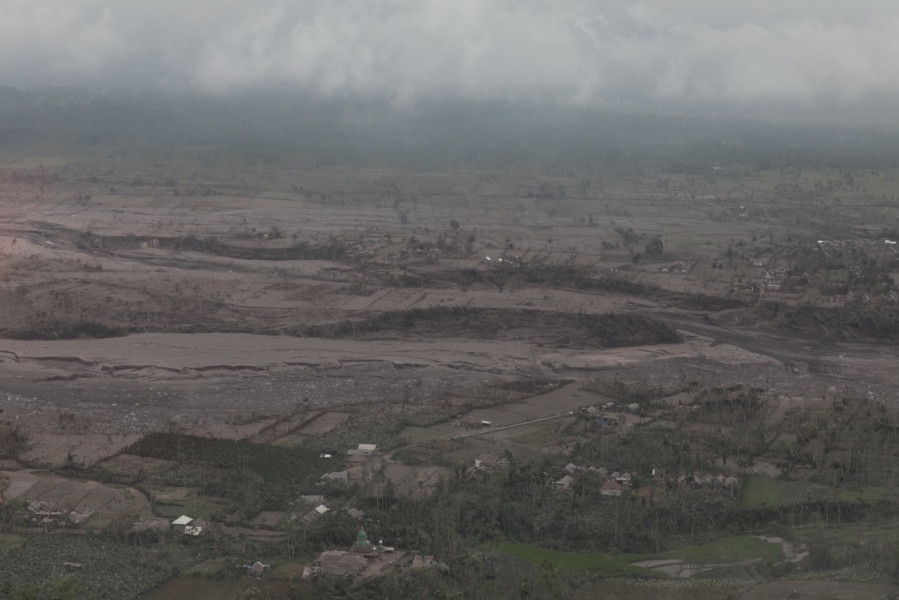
(759, 492)
(798, 492)
(732, 549)
(609, 564)
(417, 435)
(866, 494)
(10, 541)
(726, 550)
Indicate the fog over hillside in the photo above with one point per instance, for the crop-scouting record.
(267, 126)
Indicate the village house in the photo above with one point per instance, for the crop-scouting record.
(362, 473)
(339, 563)
(363, 449)
(564, 483)
(489, 461)
(188, 526)
(313, 499)
(354, 460)
(611, 488)
(355, 513)
(257, 570)
(469, 423)
(315, 513)
(334, 477)
(420, 561)
(599, 412)
(47, 516)
(591, 411)
(622, 477)
(181, 523)
(351, 563)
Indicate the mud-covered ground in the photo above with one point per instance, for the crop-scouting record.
(187, 313)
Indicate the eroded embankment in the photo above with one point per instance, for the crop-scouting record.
(544, 328)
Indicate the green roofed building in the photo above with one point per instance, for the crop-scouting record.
(362, 545)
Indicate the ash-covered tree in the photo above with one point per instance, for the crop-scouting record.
(654, 248)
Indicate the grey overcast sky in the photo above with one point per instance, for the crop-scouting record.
(577, 52)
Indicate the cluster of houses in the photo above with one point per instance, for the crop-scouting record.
(183, 525)
(836, 245)
(617, 483)
(48, 516)
(777, 278)
(359, 465)
(774, 279)
(364, 558)
(708, 482)
(678, 267)
(319, 509)
(599, 413)
(509, 261)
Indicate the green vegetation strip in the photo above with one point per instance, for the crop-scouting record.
(867, 494)
(204, 589)
(252, 474)
(195, 508)
(111, 569)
